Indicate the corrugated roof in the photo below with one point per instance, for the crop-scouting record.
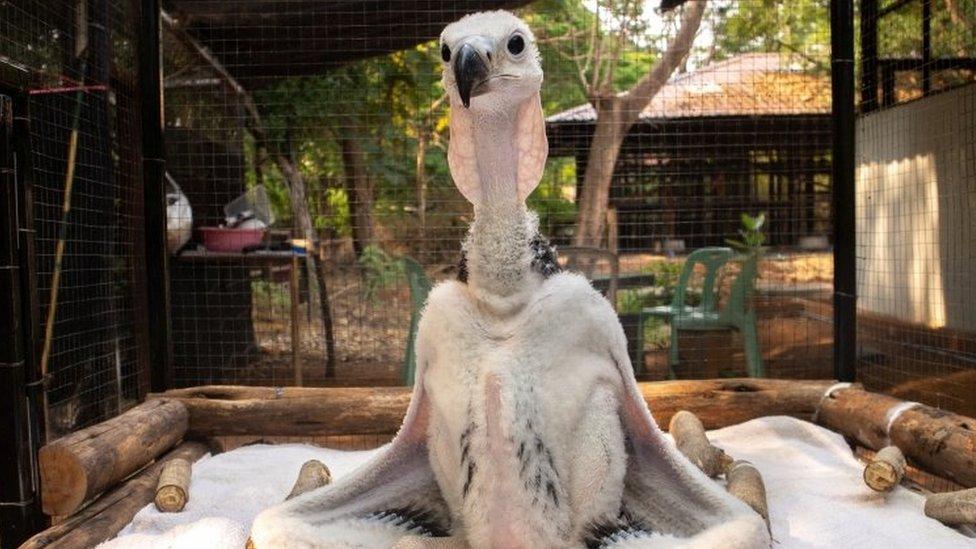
(747, 84)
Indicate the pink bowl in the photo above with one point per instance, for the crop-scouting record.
(219, 239)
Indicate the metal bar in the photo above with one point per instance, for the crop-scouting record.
(30, 302)
(153, 171)
(887, 86)
(17, 486)
(296, 338)
(845, 270)
(869, 55)
(926, 46)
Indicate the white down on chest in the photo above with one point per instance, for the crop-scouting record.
(525, 438)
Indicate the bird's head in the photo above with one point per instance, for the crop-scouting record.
(492, 75)
(491, 61)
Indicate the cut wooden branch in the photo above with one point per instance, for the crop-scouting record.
(314, 474)
(108, 514)
(76, 468)
(886, 470)
(173, 488)
(298, 411)
(689, 436)
(952, 508)
(940, 442)
(310, 411)
(744, 482)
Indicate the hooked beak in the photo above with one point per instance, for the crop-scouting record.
(470, 71)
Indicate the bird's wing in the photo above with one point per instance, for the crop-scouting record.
(666, 494)
(393, 494)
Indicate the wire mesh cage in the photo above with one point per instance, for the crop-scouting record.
(916, 187)
(71, 66)
(337, 109)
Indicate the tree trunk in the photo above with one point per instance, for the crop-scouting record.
(615, 115)
(358, 186)
(316, 268)
(601, 159)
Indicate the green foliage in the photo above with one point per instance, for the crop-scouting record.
(380, 271)
(666, 273)
(751, 233)
(629, 302)
(657, 333)
(800, 27)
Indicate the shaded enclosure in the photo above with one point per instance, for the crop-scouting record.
(335, 109)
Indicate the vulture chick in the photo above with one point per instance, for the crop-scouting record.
(526, 428)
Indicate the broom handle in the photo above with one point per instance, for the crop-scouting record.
(69, 179)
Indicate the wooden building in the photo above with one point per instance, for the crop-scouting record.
(743, 135)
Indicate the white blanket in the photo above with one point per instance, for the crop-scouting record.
(813, 484)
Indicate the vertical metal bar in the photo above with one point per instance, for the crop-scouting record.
(926, 46)
(887, 85)
(845, 269)
(296, 338)
(869, 55)
(31, 300)
(154, 166)
(17, 481)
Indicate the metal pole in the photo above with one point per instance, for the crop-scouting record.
(845, 268)
(869, 55)
(926, 46)
(18, 486)
(153, 170)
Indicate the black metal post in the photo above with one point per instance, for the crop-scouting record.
(18, 486)
(869, 55)
(926, 46)
(845, 270)
(153, 170)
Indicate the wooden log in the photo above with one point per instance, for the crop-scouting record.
(886, 470)
(108, 514)
(689, 437)
(309, 411)
(173, 489)
(76, 468)
(744, 482)
(423, 542)
(313, 474)
(952, 508)
(940, 442)
(723, 402)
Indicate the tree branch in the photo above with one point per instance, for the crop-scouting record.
(638, 97)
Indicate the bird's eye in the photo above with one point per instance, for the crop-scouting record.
(445, 53)
(516, 44)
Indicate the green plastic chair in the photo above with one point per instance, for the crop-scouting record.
(737, 314)
(420, 286)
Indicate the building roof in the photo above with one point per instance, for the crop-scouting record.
(748, 84)
(260, 40)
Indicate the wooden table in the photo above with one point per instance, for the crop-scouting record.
(285, 258)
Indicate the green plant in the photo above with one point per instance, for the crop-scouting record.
(752, 235)
(380, 271)
(630, 302)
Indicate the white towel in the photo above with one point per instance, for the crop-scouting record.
(813, 482)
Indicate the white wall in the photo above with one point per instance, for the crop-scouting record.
(916, 211)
